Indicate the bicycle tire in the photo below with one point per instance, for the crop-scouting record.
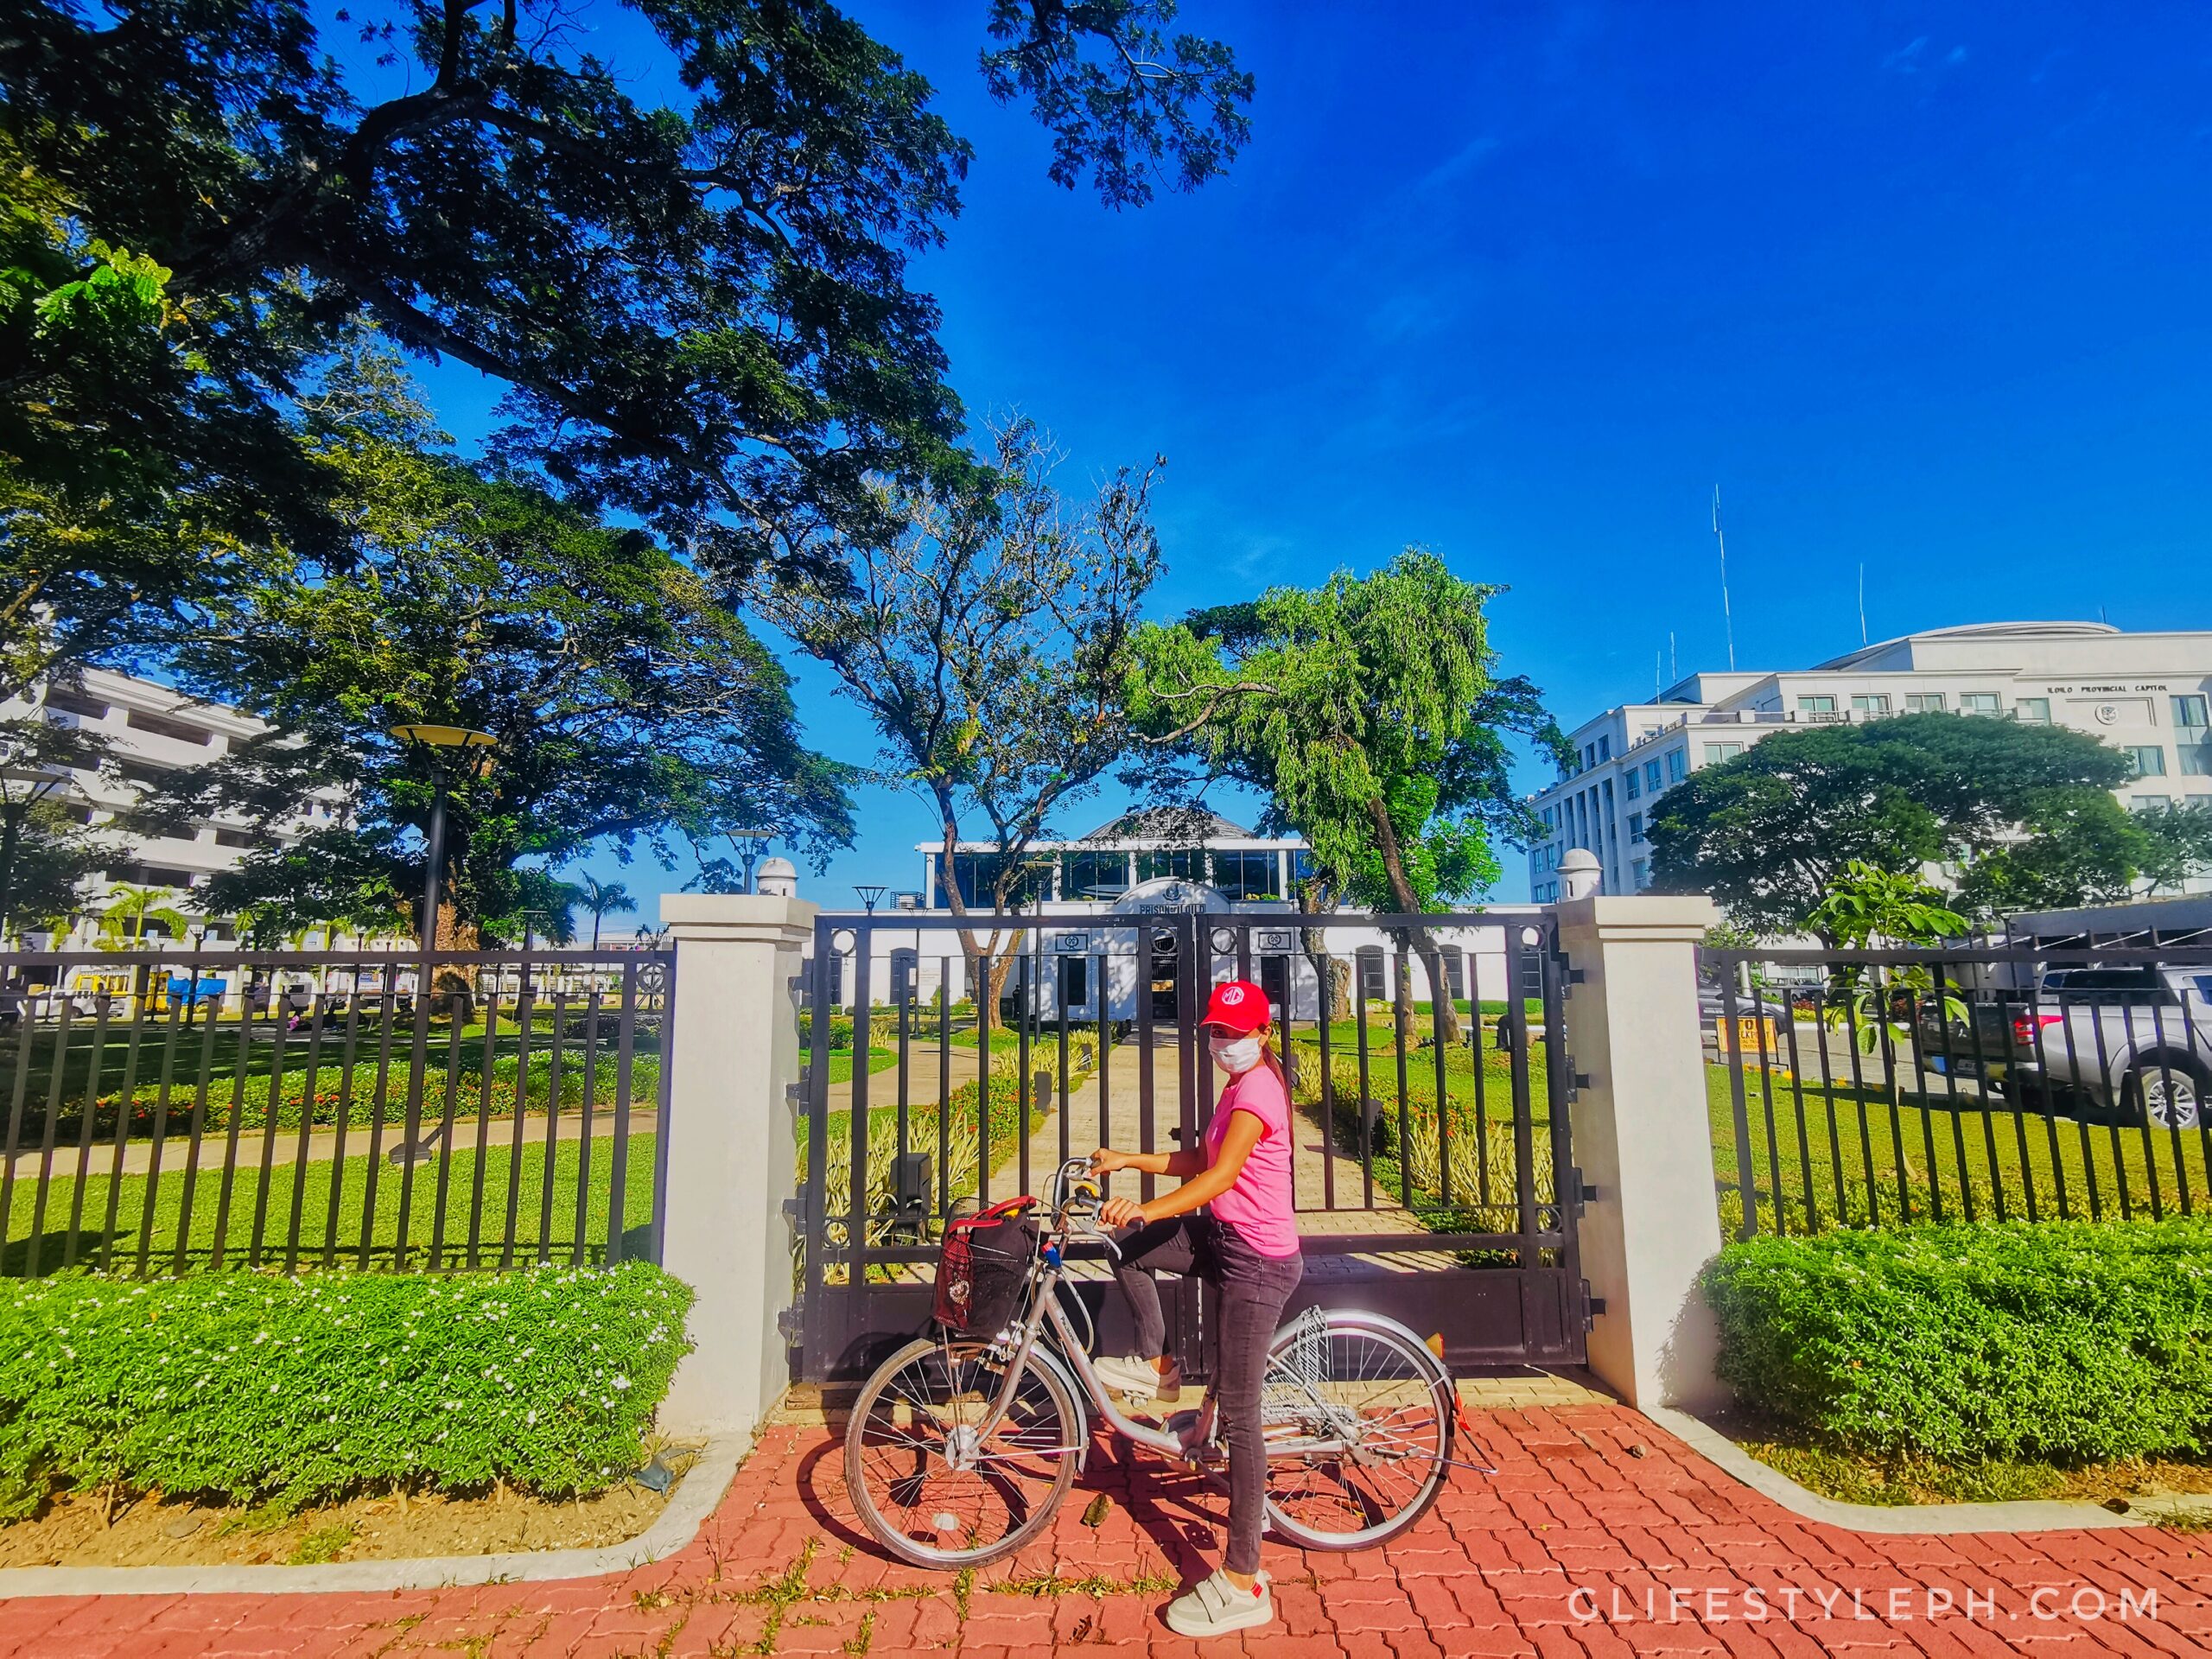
(1045, 1414)
(1421, 1374)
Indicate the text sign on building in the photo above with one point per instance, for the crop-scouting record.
(1070, 943)
(1274, 940)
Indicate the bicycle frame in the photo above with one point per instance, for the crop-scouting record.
(1045, 1305)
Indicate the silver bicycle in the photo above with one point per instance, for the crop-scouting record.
(961, 1447)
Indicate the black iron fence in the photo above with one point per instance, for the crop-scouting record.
(1871, 1087)
(171, 1112)
(1423, 1088)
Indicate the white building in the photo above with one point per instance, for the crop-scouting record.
(152, 730)
(2146, 694)
(1093, 948)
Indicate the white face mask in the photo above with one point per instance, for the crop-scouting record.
(1236, 1055)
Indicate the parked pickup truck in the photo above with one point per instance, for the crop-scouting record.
(2135, 1041)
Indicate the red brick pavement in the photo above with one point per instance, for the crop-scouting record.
(1576, 1549)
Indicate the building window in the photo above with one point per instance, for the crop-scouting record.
(1818, 705)
(1678, 764)
(1245, 875)
(1923, 702)
(1183, 863)
(2197, 759)
(1642, 871)
(1634, 785)
(67, 702)
(2147, 760)
(2033, 711)
(1075, 983)
(144, 772)
(2148, 803)
(1370, 974)
(1873, 704)
(1978, 703)
(1605, 748)
(2189, 714)
(977, 875)
(1455, 972)
(1094, 876)
(1635, 826)
(1716, 753)
(1301, 867)
(162, 726)
(238, 838)
(1651, 775)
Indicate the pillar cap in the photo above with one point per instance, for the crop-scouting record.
(737, 916)
(1648, 918)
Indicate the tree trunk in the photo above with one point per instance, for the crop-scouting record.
(1408, 903)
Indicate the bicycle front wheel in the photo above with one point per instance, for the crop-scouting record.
(929, 1483)
(1357, 1416)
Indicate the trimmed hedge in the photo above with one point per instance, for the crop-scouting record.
(248, 1387)
(2067, 1342)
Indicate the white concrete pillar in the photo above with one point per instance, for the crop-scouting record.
(731, 1149)
(1580, 873)
(1642, 1137)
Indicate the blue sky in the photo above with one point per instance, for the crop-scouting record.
(1920, 286)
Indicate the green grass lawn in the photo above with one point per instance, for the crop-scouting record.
(840, 1063)
(1822, 1156)
(308, 1190)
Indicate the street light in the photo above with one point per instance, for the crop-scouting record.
(749, 845)
(449, 750)
(435, 744)
(871, 896)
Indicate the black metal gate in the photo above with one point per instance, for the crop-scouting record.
(1435, 1182)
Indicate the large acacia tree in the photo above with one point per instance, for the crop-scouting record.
(989, 643)
(1370, 712)
(680, 244)
(629, 707)
(2024, 812)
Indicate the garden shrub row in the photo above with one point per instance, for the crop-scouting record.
(320, 1096)
(2065, 1342)
(249, 1387)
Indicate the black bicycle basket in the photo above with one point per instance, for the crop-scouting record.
(981, 1269)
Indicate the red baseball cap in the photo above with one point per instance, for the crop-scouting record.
(1239, 1005)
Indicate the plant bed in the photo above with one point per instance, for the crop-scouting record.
(2069, 1344)
(1859, 1477)
(251, 1388)
(77, 1529)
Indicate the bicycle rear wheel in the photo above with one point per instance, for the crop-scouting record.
(1358, 1416)
(928, 1484)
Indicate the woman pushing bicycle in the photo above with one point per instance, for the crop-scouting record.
(1232, 1224)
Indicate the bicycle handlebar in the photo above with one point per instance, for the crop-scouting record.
(1075, 1197)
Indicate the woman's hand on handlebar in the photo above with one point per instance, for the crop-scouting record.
(1122, 1212)
(1106, 1160)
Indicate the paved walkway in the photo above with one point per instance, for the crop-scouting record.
(1578, 1549)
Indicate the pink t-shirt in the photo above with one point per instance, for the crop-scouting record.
(1259, 1203)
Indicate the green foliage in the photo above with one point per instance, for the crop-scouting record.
(1129, 109)
(698, 307)
(1868, 906)
(247, 1386)
(628, 706)
(2064, 1341)
(1767, 832)
(988, 642)
(1367, 710)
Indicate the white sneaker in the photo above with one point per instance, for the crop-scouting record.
(1214, 1606)
(1138, 1380)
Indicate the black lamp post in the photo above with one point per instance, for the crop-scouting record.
(750, 845)
(870, 895)
(451, 753)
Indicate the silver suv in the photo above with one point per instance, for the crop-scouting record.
(2137, 1041)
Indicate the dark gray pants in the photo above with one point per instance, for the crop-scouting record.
(1247, 1293)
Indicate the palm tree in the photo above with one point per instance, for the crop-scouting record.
(130, 908)
(605, 898)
